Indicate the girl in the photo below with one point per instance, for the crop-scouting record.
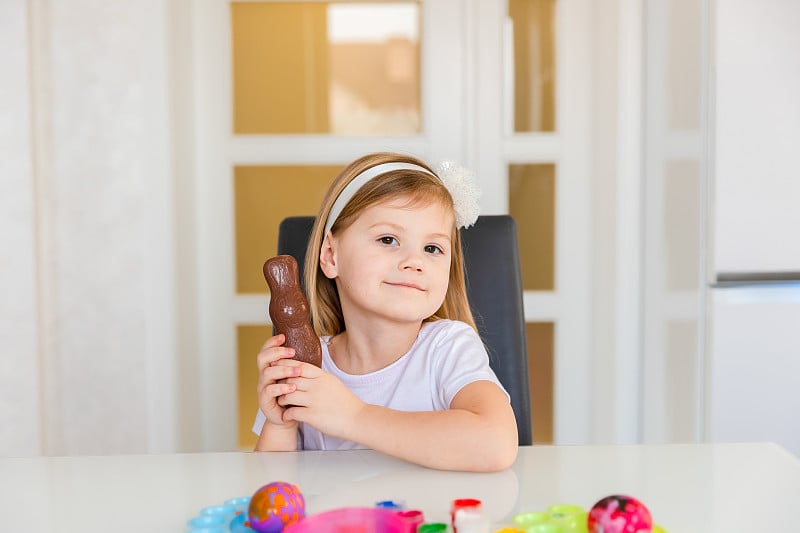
(404, 371)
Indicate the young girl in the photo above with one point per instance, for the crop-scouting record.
(403, 370)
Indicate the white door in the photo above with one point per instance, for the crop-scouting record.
(466, 113)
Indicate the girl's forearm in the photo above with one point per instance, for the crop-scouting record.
(455, 439)
(277, 439)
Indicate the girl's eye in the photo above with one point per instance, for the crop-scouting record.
(433, 249)
(387, 240)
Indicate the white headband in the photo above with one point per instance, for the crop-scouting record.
(350, 190)
(455, 178)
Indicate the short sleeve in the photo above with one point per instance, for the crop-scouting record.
(460, 359)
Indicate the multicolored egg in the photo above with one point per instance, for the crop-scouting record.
(619, 514)
(275, 506)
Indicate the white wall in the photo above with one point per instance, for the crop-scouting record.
(20, 431)
(88, 220)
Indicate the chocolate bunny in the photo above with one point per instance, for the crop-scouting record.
(288, 309)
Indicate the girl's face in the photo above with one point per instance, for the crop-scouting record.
(392, 263)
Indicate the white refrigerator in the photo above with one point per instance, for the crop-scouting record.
(753, 357)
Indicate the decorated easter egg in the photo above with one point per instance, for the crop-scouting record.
(275, 506)
(619, 514)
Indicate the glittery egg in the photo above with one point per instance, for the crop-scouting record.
(275, 506)
(619, 514)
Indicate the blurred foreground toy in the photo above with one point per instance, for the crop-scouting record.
(620, 514)
(355, 519)
(467, 516)
(279, 507)
(612, 514)
(561, 518)
(276, 506)
(228, 517)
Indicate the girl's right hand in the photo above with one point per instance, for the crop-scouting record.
(271, 378)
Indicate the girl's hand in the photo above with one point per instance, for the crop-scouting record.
(321, 400)
(274, 366)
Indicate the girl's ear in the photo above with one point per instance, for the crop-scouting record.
(327, 256)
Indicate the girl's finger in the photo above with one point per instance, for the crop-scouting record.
(278, 390)
(307, 369)
(275, 372)
(269, 355)
(277, 340)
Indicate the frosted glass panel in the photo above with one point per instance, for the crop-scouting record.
(249, 341)
(326, 67)
(264, 196)
(534, 74)
(540, 378)
(531, 201)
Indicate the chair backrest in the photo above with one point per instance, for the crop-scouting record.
(494, 288)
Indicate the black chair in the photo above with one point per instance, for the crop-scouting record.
(494, 287)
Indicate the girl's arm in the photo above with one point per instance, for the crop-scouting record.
(277, 433)
(277, 438)
(478, 433)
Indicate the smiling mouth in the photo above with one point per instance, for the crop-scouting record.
(407, 286)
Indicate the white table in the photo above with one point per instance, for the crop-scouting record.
(721, 488)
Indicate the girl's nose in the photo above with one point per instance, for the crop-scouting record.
(412, 260)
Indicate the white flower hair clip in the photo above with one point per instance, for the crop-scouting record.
(464, 191)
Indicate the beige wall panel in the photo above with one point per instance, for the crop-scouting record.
(684, 64)
(681, 368)
(682, 212)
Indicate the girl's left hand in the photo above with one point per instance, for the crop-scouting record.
(321, 400)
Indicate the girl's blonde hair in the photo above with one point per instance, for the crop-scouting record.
(420, 188)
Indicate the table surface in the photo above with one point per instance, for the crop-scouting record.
(702, 488)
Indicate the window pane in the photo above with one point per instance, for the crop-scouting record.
(326, 67)
(249, 342)
(533, 26)
(531, 202)
(265, 195)
(540, 378)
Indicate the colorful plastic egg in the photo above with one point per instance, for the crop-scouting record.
(275, 506)
(619, 514)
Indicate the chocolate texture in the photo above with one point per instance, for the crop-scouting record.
(289, 311)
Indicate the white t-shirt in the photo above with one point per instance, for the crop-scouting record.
(446, 356)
